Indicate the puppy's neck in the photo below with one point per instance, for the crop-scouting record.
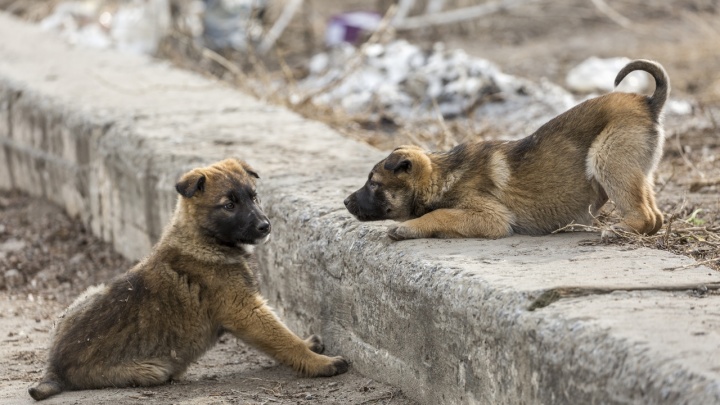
(185, 236)
(439, 180)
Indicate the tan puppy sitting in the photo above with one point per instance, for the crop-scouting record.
(608, 146)
(148, 325)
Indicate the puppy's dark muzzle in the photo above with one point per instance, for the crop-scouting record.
(258, 227)
(351, 204)
(263, 228)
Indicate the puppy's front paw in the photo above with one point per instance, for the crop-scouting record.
(337, 365)
(401, 232)
(315, 344)
(341, 365)
(319, 365)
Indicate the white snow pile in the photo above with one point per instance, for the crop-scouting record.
(136, 26)
(596, 75)
(399, 81)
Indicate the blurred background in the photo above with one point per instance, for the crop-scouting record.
(432, 72)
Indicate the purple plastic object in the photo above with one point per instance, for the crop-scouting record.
(347, 27)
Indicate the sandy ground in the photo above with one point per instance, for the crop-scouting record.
(46, 259)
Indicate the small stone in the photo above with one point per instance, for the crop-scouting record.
(76, 259)
(13, 278)
(333, 384)
(12, 245)
(309, 397)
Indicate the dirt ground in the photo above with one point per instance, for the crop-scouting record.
(47, 259)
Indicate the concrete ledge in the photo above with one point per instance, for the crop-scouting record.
(105, 135)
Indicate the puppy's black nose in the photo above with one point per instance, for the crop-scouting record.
(264, 226)
(347, 201)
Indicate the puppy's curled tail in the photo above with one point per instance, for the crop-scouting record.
(662, 82)
(49, 386)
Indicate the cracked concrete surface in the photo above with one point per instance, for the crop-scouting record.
(105, 135)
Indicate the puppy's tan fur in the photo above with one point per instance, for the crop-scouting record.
(148, 325)
(608, 146)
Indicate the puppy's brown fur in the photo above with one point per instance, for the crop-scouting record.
(608, 146)
(149, 324)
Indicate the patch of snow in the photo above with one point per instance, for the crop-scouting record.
(401, 82)
(598, 75)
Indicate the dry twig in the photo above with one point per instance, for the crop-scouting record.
(461, 14)
(388, 395)
(687, 266)
(277, 29)
(240, 78)
(356, 61)
(698, 185)
(610, 13)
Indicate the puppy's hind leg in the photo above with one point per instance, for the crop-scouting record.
(651, 199)
(141, 373)
(633, 196)
(622, 162)
(640, 215)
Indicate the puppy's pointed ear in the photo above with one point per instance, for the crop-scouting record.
(249, 170)
(398, 163)
(190, 183)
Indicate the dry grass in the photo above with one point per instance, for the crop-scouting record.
(681, 234)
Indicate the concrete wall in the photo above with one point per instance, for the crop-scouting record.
(106, 135)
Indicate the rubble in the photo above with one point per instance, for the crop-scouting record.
(396, 82)
(401, 82)
(136, 26)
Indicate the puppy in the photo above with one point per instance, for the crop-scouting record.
(606, 147)
(149, 324)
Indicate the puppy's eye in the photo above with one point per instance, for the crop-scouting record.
(373, 185)
(229, 206)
